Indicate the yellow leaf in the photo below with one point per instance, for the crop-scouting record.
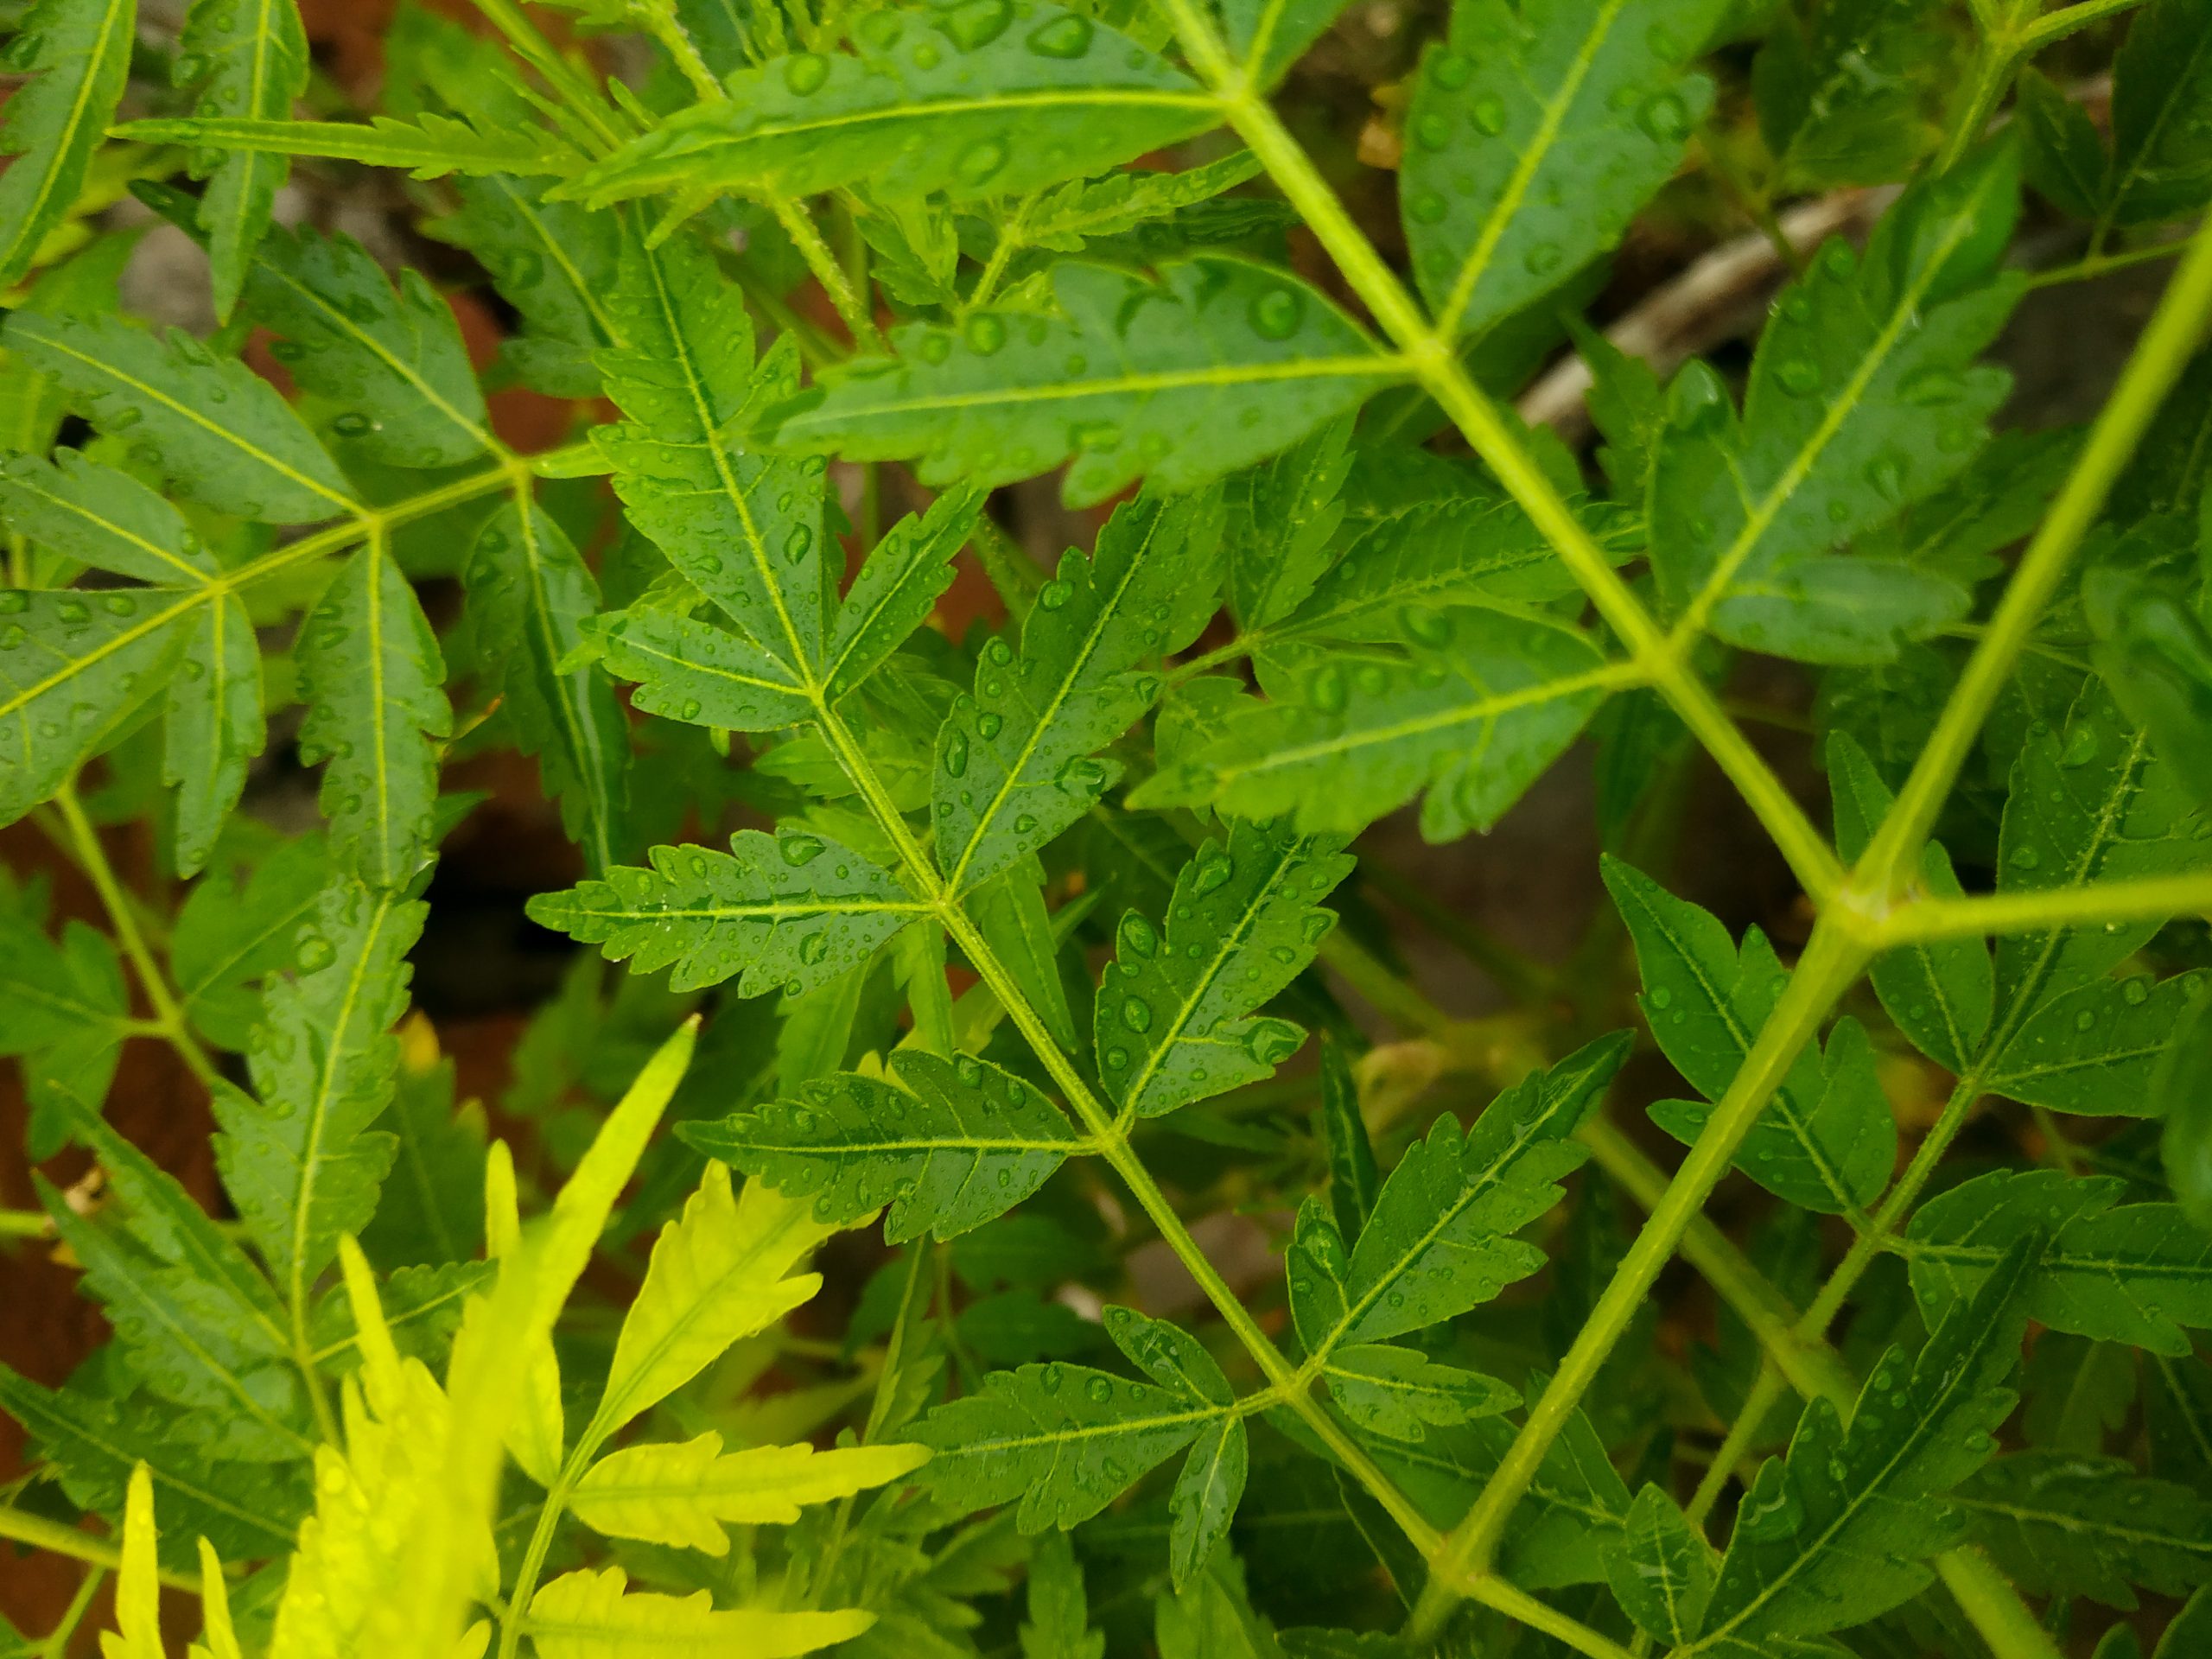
(684, 1494)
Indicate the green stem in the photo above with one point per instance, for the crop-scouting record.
(1831, 962)
(2059, 24)
(1660, 660)
(41, 1533)
(1520, 1606)
(1993, 71)
(91, 858)
(1871, 1239)
(1767, 1389)
(2145, 899)
(56, 1644)
(2159, 356)
(2082, 271)
(806, 237)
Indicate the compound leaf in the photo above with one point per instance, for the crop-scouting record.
(1839, 1531)
(1537, 131)
(685, 1495)
(2133, 1273)
(92, 514)
(1827, 1140)
(1012, 759)
(530, 594)
(73, 666)
(746, 528)
(1441, 1239)
(896, 589)
(947, 1144)
(77, 54)
(1174, 1022)
(1217, 364)
(302, 1163)
(2161, 93)
(251, 60)
(1472, 713)
(373, 680)
(1063, 1440)
(586, 1615)
(2064, 1525)
(1401, 1392)
(786, 910)
(393, 360)
(721, 1271)
(988, 100)
(220, 433)
(1864, 397)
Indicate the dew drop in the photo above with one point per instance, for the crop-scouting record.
(1325, 689)
(1067, 36)
(1275, 314)
(986, 334)
(1054, 594)
(799, 850)
(956, 752)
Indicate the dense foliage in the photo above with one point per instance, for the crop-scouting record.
(1050, 943)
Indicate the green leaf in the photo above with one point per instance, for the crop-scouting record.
(1473, 716)
(786, 910)
(1441, 1239)
(301, 1163)
(1849, 101)
(96, 515)
(1206, 1494)
(585, 1615)
(1009, 911)
(1940, 993)
(393, 362)
(1354, 1179)
(947, 1144)
(2089, 802)
(1058, 1626)
(1067, 219)
(373, 679)
(430, 147)
(2156, 658)
(1826, 1141)
(1214, 367)
(1268, 35)
(64, 1010)
(190, 1333)
(220, 435)
(685, 1495)
(1012, 759)
(248, 60)
(1064, 1440)
(1399, 1392)
(1537, 131)
(695, 672)
(990, 100)
(95, 1442)
(1173, 1021)
(722, 1271)
(2181, 1093)
(2094, 1049)
(2134, 1273)
(215, 726)
(1663, 1571)
(2063, 154)
(2061, 1525)
(906, 573)
(1281, 523)
(77, 54)
(431, 1210)
(2161, 93)
(233, 929)
(1864, 397)
(529, 595)
(556, 264)
(1403, 570)
(1838, 1532)
(73, 666)
(746, 528)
